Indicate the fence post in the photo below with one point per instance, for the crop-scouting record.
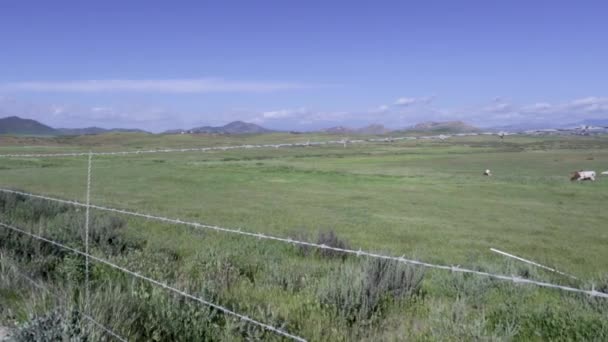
(86, 233)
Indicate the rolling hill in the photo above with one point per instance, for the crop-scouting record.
(444, 127)
(373, 129)
(15, 125)
(18, 126)
(235, 127)
(430, 127)
(96, 130)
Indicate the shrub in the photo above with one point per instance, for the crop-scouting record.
(553, 324)
(602, 285)
(156, 315)
(329, 238)
(358, 295)
(106, 232)
(457, 322)
(469, 287)
(52, 326)
(292, 277)
(599, 304)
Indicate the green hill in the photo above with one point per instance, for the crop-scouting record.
(14, 125)
(445, 127)
(18, 126)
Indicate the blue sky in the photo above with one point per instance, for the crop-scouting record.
(303, 65)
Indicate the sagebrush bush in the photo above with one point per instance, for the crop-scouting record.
(156, 315)
(557, 324)
(455, 321)
(328, 238)
(468, 287)
(56, 325)
(331, 239)
(287, 278)
(602, 284)
(325, 296)
(358, 294)
(61, 223)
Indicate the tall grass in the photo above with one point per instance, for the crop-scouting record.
(321, 296)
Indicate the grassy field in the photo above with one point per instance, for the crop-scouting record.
(422, 199)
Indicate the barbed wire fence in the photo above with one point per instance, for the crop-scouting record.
(344, 142)
(237, 231)
(42, 287)
(86, 254)
(154, 282)
(288, 240)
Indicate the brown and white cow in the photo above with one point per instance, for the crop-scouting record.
(583, 175)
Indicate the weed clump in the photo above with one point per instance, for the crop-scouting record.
(52, 326)
(329, 239)
(359, 295)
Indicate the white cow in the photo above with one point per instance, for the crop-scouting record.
(583, 175)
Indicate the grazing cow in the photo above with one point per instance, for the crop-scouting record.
(583, 175)
(487, 173)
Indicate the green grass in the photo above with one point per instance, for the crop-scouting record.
(422, 199)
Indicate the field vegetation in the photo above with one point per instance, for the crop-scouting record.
(423, 199)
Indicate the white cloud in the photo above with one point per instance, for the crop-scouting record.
(492, 113)
(204, 85)
(582, 106)
(498, 107)
(57, 110)
(539, 113)
(408, 101)
(297, 115)
(74, 116)
(284, 113)
(101, 109)
(381, 109)
(538, 107)
(589, 104)
(405, 101)
(294, 118)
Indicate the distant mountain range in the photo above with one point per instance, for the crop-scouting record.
(374, 129)
(593, 122)
(18, 126)
(543, 125)
(431, 127)
(97, 130)
(444, 127)
(236, 127)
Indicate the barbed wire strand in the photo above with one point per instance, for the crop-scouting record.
(158, 283)
(402, 259)
(343, 142)
(532, 263)
(46, 289)
(104, 328)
